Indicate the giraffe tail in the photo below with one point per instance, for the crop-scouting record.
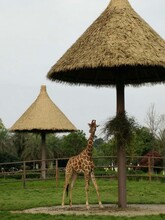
(67, 190)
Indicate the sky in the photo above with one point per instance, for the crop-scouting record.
(34, 34)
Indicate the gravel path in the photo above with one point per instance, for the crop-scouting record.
(131, 210)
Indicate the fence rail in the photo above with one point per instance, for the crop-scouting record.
(105, 167)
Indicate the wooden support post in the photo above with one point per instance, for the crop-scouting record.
(121, 153)
(24, 175)
(43, 156)
(56, 172)
(149, 168)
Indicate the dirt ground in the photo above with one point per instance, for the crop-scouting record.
(131, 210)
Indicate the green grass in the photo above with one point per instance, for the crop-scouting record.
(10, 216)
(45, 193)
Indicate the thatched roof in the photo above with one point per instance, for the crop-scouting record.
(43, 115)
(118, 46)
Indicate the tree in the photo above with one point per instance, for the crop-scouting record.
(161, 143)
(32, 147)
(142, 141)
(6, 143)
(73, 143)
(156, 125)
(19, 140)
(54, 146)
(3, 137)
(154, 121)
(7, 149)
(98, 142)
(104, 148)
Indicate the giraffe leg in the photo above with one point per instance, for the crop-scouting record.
(73, 179)
(66, 185)
(87, 178)
(97, 190)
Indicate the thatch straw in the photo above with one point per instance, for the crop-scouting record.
(118, 47)
(43, 115)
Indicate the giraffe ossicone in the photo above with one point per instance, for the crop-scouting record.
(82, 163)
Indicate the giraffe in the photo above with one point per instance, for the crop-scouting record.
(82, 163)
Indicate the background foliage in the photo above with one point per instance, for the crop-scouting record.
(26, 146)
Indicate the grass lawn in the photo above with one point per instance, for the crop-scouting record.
(45, 193)
(9, 216)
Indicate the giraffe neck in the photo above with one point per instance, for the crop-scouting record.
(89, 147)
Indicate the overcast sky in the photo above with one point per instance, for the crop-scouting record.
(34, 34)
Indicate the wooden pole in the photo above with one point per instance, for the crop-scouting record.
(121, 154)
(43, 155)
(24, 174)
(149, 168)
(56, 172)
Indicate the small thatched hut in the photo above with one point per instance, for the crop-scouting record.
(43, 116)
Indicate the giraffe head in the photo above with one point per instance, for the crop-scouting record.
(92, 126)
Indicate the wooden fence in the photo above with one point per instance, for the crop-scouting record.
(105, 167)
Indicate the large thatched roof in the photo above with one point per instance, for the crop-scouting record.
(118, 46)
(43, 115)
